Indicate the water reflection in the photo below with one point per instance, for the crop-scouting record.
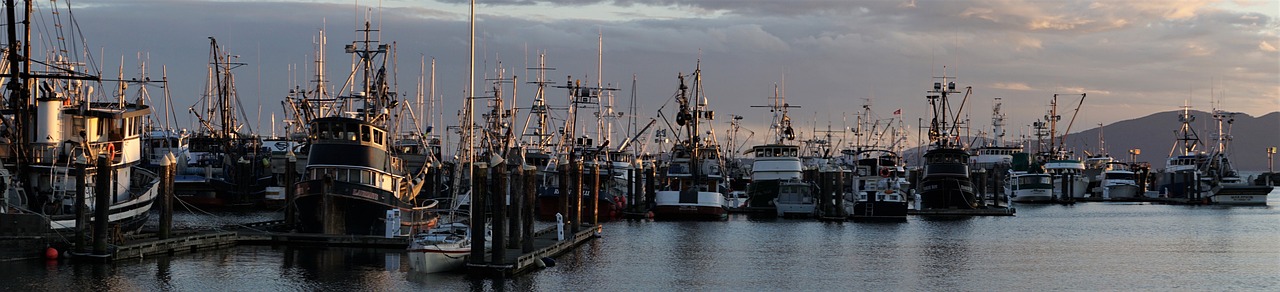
(946, 250)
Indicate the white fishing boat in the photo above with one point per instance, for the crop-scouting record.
(692, 190)
(774, 163)
(57, 119)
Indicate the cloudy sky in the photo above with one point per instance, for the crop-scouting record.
(1132, 58)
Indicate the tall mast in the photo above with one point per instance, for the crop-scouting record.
(997, 123)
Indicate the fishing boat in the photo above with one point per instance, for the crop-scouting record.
(881, 186)
(693, 178)
(1211, 176)
(230, 168)
(945, 183)
(355, 184)
(53, 125)
(774, 163)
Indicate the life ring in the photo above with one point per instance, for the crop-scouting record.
(111, 152)
(884, 172)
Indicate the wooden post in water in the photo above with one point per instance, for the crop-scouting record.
(497, 196)
(166, 193)
(631, 188)
(102, 199)
(290, 192)
(650, 186)
(575, 197)
(515, 199)
(562, 181)
(839, 196)
(526, 213)
(82, 210)
(479, 184)
(595, 194)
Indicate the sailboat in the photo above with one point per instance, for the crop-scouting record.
(692, 189)
(355, 184)
(52, 124)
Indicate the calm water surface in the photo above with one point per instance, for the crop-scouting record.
(1088, 246)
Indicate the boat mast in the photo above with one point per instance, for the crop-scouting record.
(1189, 139)
(997, 123)
(781, 125)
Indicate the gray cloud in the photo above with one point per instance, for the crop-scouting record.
(1133, 58)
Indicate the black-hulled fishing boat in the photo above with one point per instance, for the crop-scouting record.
(945, 183)
(355, 184)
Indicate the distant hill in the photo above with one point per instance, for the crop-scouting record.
(1154, 135)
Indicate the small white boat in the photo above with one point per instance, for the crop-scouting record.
(441, 249)
(1025, 187)
(795, 198)
(1119, 183)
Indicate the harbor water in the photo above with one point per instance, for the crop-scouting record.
(1086, 246)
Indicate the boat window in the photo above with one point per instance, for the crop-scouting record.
(365, 133)
(678, 168)
(377, 137)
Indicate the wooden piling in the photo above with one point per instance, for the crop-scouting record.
(595, 194)
(479, 185)
(82, 209)
(102, 198)
(290, 193)
(166, 193)
(515, 200)
(530, 195)
(631, 188)
(497, 196)
(650, 186)
(575, 197)
(562, 181)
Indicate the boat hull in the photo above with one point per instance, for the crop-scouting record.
(353, 209)
(878, 211)
(1120, 192)
(1241, 195)
(795, 209)
(689, 205)
(1033, 196)
(438, 258)
(947, 193)
(689, 212)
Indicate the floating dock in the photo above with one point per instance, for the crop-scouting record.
(516, 262)
(1001, 211)
(545, 245)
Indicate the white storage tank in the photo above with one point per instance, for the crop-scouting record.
(48, 124)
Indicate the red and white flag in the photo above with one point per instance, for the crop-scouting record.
(898, 112)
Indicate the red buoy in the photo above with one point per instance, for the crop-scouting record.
(51, 253)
